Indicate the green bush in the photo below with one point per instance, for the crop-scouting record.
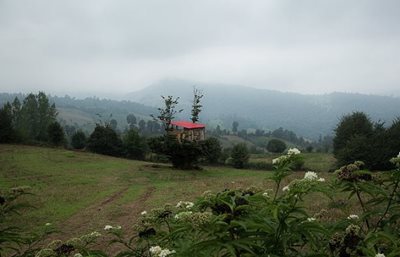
(240, 156)
(104, 140)
(78, 140)
(276, 146)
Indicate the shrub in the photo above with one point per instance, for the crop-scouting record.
(78, 140)
(104, 140)
(240, 155)
(135, 146)
(211, 150)
(56, 134)
(276, 146)
(183, 155)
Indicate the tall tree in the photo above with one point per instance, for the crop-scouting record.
(7, 133)
(131, 120)
(235, 126)
(196, 106)
(56, 134)
(168, 112)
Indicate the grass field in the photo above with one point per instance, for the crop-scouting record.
(80, 192)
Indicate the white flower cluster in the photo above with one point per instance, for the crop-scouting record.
(183, 204)
(312, 176)
(158, 251)
(286, 188)
(311, 219)
(143, 213)
(47, 224)
(78, 255)
(353, 217)
(380, 255)
(182, 215)
(109, 227)
(279, 159)
(293, 151)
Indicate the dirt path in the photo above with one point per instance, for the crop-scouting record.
(106, 212)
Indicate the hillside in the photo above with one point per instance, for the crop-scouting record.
(306, 115)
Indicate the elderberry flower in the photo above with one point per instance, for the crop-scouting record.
(182, 215)
(321, 180)
(108, 227)
(165, 252)
(293, 151)
(183, 204)
(155, 249)
(353, 217)
(310, 175)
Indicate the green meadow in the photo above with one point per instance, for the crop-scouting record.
(79, 192)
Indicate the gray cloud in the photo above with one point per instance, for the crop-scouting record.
(108, 46)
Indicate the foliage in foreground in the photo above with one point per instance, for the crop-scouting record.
(266, 221)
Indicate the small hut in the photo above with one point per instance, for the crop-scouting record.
(187, 130)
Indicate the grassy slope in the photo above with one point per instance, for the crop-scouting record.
(79, 191)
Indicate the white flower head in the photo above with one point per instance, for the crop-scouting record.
(265, 194)
(143, 213)
(293, 151)
(182, 215)
(353, 217)
(310, 175)
(165, 252)
(47, 224)
(321, 180)
(78, 255)
(311, 219)
(380, 255)
(155, 249)
(286, 188)
(108, 227)
(183, 204)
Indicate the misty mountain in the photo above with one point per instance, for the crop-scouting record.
(307, 115)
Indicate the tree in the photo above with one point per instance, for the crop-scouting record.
(352, 139)
(142, 126)
(56, 134)
(276, 146)
(131, 120)
(104, 140)
(196, 106)
(168, 112)
(240, 155)
(183, 155)
(235, 126)
(355, 124)
(113, 124)
(7, 132)
(211, 150)
(135, 146)
(78, 140)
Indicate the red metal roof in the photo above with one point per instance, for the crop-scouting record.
(188, 124)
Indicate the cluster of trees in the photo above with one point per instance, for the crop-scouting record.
(358, 138)
(32, 121)
(323, 144)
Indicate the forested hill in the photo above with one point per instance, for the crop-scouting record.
(84, 113)
(307, 115)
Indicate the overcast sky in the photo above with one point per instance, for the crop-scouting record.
(121, 46)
